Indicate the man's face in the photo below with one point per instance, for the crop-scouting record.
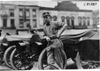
(47, 19)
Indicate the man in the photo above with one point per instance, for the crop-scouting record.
(51, 29)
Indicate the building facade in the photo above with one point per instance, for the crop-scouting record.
(7, 18)
(15, 18)
(75, 19)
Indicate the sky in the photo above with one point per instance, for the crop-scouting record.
(80, 4)
(53, 3)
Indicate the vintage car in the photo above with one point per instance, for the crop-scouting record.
(7, 44)
(84, 52)
(88, 56)
(20, 59)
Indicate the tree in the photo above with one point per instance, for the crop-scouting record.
(95, 18)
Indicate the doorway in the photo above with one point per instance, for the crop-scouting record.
(4, 22)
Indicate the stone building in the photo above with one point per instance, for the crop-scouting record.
(16, 18)
(76, 19)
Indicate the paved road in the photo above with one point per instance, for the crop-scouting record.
(71, 65)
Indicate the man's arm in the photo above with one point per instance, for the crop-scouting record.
(61, 30)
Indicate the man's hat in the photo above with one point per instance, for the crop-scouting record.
(45, 14)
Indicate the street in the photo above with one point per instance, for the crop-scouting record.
(70, 63)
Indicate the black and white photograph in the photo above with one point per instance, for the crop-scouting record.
(49, 34)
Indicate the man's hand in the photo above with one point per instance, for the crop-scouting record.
(47, 38)
(83, 38)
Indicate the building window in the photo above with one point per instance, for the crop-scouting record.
(34, 23)
(27, 13)
(68, 21)
(80, 21)
(20, 12)
(54, 18)
(63, 19)
(4, 22)
(72, 22)
(84, 21)
(21, 23)
(12, 21)
(34, 13)
(27, 23)
(88, 21)
(11, 12)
